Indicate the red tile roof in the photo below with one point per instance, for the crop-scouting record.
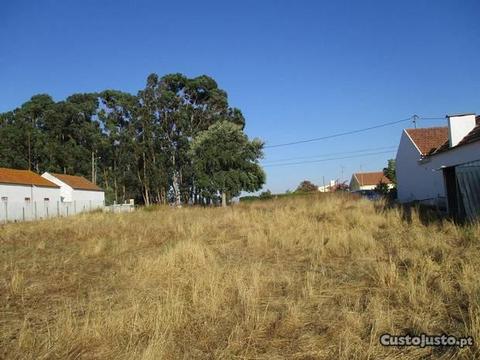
(428, 139)
(77, 182)
(23, 177)
(371, 178)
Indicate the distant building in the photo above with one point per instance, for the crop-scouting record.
(78, 190)
(368, 181)
(329, 187)
(25, 194)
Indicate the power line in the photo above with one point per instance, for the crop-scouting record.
(432, 118)
(329, 159)
(339, 134)
(330, 154)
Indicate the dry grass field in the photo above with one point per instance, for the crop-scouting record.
(305, 278)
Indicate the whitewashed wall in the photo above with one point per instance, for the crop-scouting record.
(16, 193)
(455, 156)
(354, 186)
(16, 208)
(65, 190)
(85, 195)
(416, 181)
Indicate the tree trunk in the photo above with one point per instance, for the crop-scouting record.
(224, 199)
(176, 184)
(93, 167)
(146, 196)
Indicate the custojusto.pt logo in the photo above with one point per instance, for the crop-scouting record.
(424, 340)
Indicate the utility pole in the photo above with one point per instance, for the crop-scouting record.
(93, 167)
(414, 120)
(361, 176)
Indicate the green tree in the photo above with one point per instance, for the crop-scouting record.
(390, 171)
(134, 146)
(225, 161)
(306, 186)
(382, 188)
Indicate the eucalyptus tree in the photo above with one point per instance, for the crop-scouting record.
(134, 146)
(225, 161)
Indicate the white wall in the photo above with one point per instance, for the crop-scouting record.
(459, 126)
(16, 193)
(416, 181)
(368, 187)
(89, 199)
(42, 193)
(354, 186)
(66, 190)
(455, 156)
(16, 208)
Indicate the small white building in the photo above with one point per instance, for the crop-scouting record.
(26, 195)
(416, 180)
(368, 181)
(84, 194)
(329, 187)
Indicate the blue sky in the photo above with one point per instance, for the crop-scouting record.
(297, 69)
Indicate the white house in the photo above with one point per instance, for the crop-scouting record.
(329, 187)
(368, 181)
(26, 195)
(446, 164)
(77, 190)
(416, 181)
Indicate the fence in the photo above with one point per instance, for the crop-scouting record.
(120, 208)
(37, 210)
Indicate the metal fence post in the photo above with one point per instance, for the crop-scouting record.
(6, 212)
(74, 207)
(58, 209)
(35, 209)
(23, 213)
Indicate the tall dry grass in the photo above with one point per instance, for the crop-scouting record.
(287, 279)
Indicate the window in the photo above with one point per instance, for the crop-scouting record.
(27, 199)
(46, 199)
(4, 198)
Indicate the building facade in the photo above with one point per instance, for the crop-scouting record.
(77, 190)
(25, 195)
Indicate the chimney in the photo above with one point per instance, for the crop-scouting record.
(459, 126)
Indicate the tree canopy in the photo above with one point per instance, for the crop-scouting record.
(390, 171)
(306, 186)
(226, 162)
(134, 146)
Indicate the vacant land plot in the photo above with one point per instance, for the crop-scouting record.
(318, 278)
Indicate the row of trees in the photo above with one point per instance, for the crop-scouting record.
(177, 140)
